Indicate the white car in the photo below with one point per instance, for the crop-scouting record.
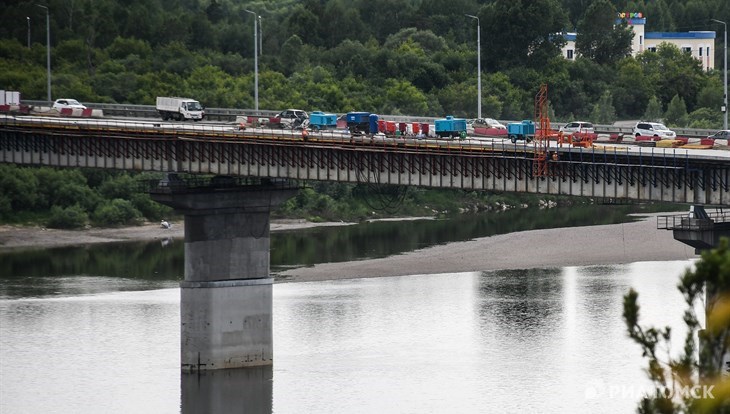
(67, 103)
(290, 118)
(485, 123)
(578, 126)
(655, 130)
(493, 123)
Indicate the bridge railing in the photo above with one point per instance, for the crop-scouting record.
(230, 114)
(685, 222)
(180, 183)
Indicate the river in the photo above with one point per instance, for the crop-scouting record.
(96, 329)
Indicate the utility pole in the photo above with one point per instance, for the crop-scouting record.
(28, 20)
(255, 59)
(48, 51)
(479, 67)
(724, 69)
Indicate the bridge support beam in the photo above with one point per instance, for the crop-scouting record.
(226, 297)
(702, 230)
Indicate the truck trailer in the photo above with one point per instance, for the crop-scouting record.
(179, 109)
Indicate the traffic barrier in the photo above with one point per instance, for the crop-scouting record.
(4, 108)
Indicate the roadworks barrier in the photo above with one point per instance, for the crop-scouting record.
(46, 111)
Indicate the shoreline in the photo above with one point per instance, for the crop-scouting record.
(601, 245)
(611, 244)
(17, 238)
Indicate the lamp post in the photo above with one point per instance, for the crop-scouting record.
(255, 59)
(48, 50)
(724, 99)
(479, 68)
(28, 20)
(261, 38)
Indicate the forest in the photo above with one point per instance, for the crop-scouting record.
(411, 57)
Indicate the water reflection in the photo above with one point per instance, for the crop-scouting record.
(164, 259)
(228, 391)
(522, 301)
(512, 341)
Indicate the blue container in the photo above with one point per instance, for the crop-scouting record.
(450, 127)
(321, 120)
(373, 123)
(357, 117)
(521, 130)
(358, 122)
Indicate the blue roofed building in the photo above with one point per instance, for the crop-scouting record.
(700, 44)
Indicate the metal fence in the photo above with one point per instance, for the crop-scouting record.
(685, 222)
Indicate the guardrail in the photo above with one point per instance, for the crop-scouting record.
(685, 222)
(230, 114)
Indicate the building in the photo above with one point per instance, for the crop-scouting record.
(700, 44)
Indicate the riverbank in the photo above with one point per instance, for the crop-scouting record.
(638, 241)
(23, 237)
(573, 246)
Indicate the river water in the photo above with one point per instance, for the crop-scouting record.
(96, 329)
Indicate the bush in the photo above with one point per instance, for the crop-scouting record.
(116, 212)
(72, 217)
(151, 210)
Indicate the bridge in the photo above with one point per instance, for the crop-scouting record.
(226, 318)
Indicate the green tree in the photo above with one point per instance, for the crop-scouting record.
(705, 118)
(631, 90)
(676, 114)
(710, 96)
(604, 112)
(402, 97)
(599, 38)
(697, 365)
(653, 110)
(521, 33)
(673, 72)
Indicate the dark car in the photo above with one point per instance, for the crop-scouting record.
(720, 138)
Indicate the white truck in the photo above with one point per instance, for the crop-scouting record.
(179, 108)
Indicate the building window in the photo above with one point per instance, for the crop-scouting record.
(641, 40)
(687, 50)
(652, 49)
(700, 52)
(570, 53)
(708, 51)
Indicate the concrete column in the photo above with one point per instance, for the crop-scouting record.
(226, 297)
(228, 391)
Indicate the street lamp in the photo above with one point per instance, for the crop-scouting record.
(261, 38)
(724, 99)
(255, 59)
(48, 50)
(28, 19)
(479, 68)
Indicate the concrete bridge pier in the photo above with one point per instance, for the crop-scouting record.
(226, 297)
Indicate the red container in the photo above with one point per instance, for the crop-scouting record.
(381, 125)
(416, 128)
(424, 128)
(390, 127)
(402, 128)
